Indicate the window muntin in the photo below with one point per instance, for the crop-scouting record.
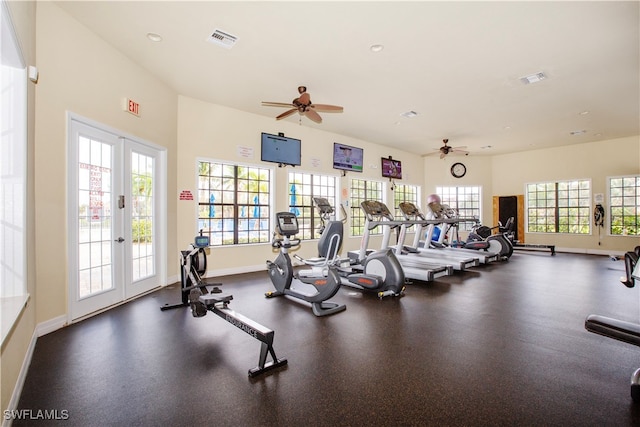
(362, 190)
(559, 207)
(302, 188)
(624, 205)
(234, 203)
(466, 200)
(404, 193)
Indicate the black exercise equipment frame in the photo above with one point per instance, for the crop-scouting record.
(218, 304)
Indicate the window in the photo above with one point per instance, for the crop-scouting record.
(467, 201)
(362, 190)
(303, 187)
(624, 202)
(559, 207)
(233, 203)
(13, 178)
(404, 193)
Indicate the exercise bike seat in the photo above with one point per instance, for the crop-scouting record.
(613, 328)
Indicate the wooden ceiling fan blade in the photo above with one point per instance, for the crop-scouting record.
(287, 114)
(304, 98)
(442, 155)
(325, 108)
(312, 115)
(276, 104)
(461, 148)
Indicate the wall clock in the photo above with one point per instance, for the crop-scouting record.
(458, 170)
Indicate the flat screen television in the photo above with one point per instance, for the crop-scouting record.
(280, 149)
(347, 158)
(391, 168)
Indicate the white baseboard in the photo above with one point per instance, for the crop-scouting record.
(22, 375)
(51, 325)
(590, 251)
(237, 270)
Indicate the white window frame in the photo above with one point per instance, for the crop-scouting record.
(13, 179)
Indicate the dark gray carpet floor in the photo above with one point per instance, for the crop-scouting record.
(503, 345)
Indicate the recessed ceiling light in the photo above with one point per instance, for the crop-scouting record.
(376, 48)
(533, 78)
(486, 147)
(154, 37)
(583, 113)
(409, 114)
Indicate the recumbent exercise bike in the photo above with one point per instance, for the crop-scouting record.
(315, 290)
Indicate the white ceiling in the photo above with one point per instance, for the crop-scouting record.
(457, 64)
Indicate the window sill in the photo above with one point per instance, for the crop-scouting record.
(11, 309)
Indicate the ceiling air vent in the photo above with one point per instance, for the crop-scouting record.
(222, 38)
(533, 78)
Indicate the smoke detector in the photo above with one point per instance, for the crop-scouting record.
(222, 38)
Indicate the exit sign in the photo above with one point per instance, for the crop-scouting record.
(132, 107)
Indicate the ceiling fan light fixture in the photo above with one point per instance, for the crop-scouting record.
(533, 78)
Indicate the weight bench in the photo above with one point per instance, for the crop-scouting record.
(620, 330)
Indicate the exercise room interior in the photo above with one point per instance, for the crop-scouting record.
(529, 96)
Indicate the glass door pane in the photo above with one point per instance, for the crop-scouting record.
(142, 216)
(95, 221)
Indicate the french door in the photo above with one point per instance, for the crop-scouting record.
(116, 224)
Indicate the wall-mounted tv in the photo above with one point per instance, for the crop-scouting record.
(347, 158)
(391, 168)
(281, 150)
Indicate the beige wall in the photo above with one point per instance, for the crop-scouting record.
(80, 73)
(437, 173)
(595, 161)
(215, 132)
(16, 345)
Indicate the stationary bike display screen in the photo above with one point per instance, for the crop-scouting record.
(287, 223)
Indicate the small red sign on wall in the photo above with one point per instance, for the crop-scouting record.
(186, 195)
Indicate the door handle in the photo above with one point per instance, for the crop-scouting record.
(119, 240)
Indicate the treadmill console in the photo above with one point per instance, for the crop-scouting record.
(287, 224)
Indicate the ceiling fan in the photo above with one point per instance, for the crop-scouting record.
(304, 106)
(446, 149)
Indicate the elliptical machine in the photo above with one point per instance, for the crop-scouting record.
(281, 272)
(497, 242)
(380, 272)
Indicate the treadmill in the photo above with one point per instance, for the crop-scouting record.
(378, 215)
(413, 217)
(485, 255)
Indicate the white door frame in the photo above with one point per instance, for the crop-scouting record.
(160, 229)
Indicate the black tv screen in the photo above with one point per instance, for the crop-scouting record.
(280, 149)
(347, 158)
(391, 168)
